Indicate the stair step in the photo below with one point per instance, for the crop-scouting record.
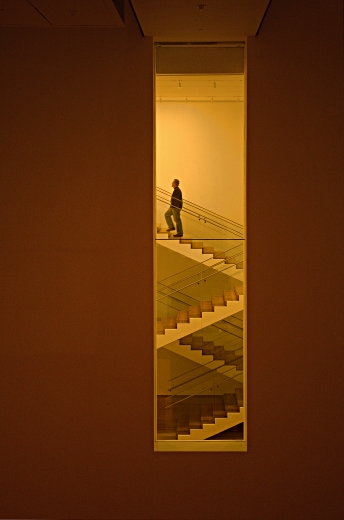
(228, 356)
(207, 414)
(195, 418)
(195, 311)
(167, 436)
(187, 340)
(196, 245)
(240, 265)
(207, 306)
(160, 327)
(182, 317)
(218, 300)
(229, 295)
(185, 241)
(230, 402)
(171, 322)
(219, 408)
(239, 290)
(208, 347)
(197, 342)
(207, 250)
(239, 392)
(217, 352)
(183, 424)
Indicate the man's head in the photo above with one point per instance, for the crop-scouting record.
(175, 183)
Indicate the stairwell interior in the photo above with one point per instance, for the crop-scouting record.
(200, 345)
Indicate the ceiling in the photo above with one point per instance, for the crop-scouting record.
(61, 13)
(195, 21)
(167, 21)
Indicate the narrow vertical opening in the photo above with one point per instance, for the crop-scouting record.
(200, 348)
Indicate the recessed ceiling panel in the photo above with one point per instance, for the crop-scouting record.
(193, 21)
(57, 13)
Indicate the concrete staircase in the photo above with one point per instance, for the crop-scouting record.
(229, 264)
(198, 417)
(199, 316)
(205, 353)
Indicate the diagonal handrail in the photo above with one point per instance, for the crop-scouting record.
(217, 215)
(222, 260)
(204, 218)
(204, 389)
(190, 284)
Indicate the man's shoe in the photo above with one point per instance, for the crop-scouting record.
(178, 235)
(170, 229)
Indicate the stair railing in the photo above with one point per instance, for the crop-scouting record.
(210, 371)
(199, 211)
(194, 283)
(224, 320)
(217, 384)
(221, 261)
(198, 368)
(207, 220)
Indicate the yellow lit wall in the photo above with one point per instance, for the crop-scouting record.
(202, 144)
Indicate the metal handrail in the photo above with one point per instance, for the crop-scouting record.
(211, 370)
(202, 217)
(201, 391)
(199, 367)
(222, 260)
(220, 217)
(189, 285)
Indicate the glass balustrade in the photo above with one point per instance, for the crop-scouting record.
(200, 329)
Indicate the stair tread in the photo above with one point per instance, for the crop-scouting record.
(231, 404)
(229, 295)
(218, 300)
(207, 306)
(239, 392)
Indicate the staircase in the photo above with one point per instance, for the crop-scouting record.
(198, 417)
(191, 415)
(229, 264)
(205, 353)
(199, 316)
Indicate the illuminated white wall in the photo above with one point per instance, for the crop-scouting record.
(202, 144)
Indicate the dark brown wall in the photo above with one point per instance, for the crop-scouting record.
(76, 251)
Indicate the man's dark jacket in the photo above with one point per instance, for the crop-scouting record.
(177, 199)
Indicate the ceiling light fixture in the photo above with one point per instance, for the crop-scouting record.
(201, 7)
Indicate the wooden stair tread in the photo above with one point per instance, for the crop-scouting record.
(229, 295)
(195, 418)
(239, 392)
(182, 317)
(230, 402)
(239, 290)
(187, 340)
(218, 300)
(195, 311)
(207, 306)
(207, 414)
(219, 407)
(160, 327)
(171, 322)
